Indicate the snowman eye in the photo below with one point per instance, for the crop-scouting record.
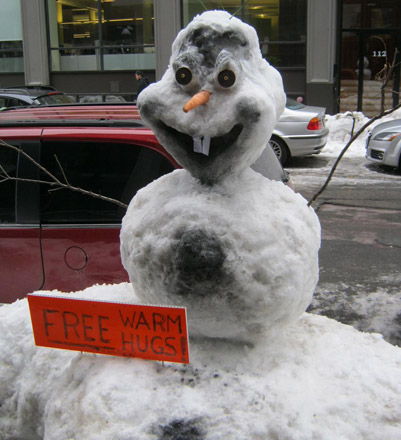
(183, 76)
(226, 78)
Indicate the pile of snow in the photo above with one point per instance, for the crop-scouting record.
(340, 128)
(321, 380)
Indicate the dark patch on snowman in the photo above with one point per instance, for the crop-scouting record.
(218, 144)
(181, 429)
(210, 42)
(199, 264)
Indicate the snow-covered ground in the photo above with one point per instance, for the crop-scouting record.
(319, 380)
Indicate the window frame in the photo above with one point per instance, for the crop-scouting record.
(26, 194)
(99, 49)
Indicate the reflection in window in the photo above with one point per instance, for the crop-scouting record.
(280, 25)
(101, 34)
(112, 170)
(8, 161)
(351, 15)
(11, 53)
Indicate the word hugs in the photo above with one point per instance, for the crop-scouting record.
(148, 332)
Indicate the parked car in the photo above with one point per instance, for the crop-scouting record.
(300, 131)
(54, 238)
(32, 95)
(383, 144)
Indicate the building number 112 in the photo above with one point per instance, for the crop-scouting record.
(380, 53)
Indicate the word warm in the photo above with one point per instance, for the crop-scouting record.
(148, 332)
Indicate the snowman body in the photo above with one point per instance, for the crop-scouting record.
(238, 250)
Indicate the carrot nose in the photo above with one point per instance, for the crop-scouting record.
(200, 98)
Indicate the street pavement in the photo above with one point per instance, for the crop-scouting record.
(360, 256)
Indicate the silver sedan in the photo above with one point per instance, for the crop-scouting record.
(300, 131)
(383, 144)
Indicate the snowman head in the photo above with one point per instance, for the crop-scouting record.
(216, 106)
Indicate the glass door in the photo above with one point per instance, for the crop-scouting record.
(349, 84)
(369, 71)
(379, 70)
(370, 59)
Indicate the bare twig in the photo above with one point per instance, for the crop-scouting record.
(355, 136)
(31, 159)
(204, 6)
(62, 170)
(386, 73)
(54, 181)
(241, 7)
(353, 123)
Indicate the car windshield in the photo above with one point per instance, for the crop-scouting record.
(59, 98)
(293, 105)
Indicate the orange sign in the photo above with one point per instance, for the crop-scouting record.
(148, 332)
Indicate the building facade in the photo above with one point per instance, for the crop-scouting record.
(332, 53)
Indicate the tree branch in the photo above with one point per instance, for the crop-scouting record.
(54, 181)
(353, 138)
(62, 170)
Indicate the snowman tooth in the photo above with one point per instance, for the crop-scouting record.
(202, 145)
(206, 145)
(197, 144)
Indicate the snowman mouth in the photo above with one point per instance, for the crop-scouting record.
(205, 145)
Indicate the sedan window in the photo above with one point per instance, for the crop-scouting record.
(110, 169)
(14, 102)
(54, 98)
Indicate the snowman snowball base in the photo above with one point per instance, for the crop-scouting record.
(243, 268)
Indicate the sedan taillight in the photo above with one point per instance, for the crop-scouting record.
(315, 124)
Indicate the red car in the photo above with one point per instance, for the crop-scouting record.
(55, 238)
(52, 238)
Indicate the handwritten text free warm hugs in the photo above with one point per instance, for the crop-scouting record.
(149, 332)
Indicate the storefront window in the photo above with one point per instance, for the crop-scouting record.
(280, 24)
(101, 34)
(11, 50)
(379, 14)
(371, 43)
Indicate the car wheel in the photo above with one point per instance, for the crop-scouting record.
(280, 148)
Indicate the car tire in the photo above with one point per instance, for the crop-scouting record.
(280, 148)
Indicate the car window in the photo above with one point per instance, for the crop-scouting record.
(14, 102)
(55, 99)
(111, 169)
(293, 105)
(8, 160)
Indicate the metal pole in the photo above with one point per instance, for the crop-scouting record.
(100, 33)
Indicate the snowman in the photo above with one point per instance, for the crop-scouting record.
(238, 250)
